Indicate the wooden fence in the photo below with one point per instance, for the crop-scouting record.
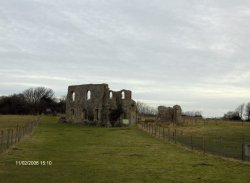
(11, 136)
(237, 148)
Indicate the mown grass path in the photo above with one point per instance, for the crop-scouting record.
(82, 154)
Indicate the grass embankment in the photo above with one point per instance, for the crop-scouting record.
(82, 154)
(11, 121)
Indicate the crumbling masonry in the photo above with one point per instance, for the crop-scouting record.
(169, 114)
(97, 103)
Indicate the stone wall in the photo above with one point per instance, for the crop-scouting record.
(96, 102)
(169, 114)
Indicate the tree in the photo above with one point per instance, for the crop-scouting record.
(193, 113)
(32, 101)
(240, 110)
(35, 95)
(59, 105)
(247, 111)
(13, 104)
(39, 99)
(143, 108)
(232, 115)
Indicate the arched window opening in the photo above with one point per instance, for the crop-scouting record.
(72, 112)
(73, 96)
(111, 95)
(88, 95)
(123, 95)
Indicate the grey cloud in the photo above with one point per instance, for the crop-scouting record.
(194, 53)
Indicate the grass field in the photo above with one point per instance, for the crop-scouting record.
(11, 121)
(224, 138)
(87, 154)
(216, 128)
(229, 131)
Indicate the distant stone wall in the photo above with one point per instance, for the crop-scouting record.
(97, 103)
(169, 114)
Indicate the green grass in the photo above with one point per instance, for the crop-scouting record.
(223, 138)
(216, 128)
(227, 131)
(88, 154)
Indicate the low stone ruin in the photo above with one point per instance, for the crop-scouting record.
(169, 114)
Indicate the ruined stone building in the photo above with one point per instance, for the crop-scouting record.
(99, 104)
(169, 114)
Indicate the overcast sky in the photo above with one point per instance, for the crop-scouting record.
(194, 53)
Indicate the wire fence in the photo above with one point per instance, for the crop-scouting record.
(238, 147)
(11, 136)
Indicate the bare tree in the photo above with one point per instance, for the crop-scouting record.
(35, 95)
(232, 115)
(193, 113)
(143, 108)
(39, 99)
(247, 111)
(240, 110)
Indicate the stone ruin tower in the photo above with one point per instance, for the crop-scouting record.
(97, 103)
(169, 114)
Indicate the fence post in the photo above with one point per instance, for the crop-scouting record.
(2, 138)
(191, 142)
(8, 135)
(15, 139)
(220, 146)
(243, 148)
(19, 133)
(155, 129)
(16, 136)
(11, 137)
(204, 145)
(163, 134)
(175, 136)
(159, 131)
(168, 134)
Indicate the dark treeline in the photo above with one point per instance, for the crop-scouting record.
(241, 113)
(39, 100)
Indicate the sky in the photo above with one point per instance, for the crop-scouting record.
(193, 53)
